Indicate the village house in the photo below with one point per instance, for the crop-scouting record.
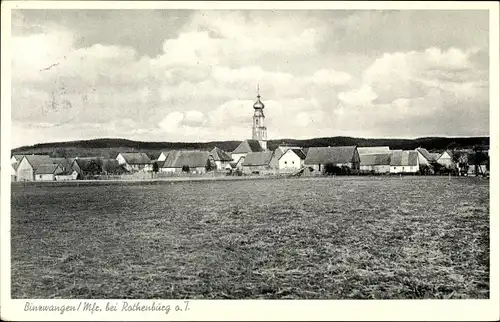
(220, 158)
(278, 152)
(446, 160)
(291, 160)
(47, 172)
(66, 175)
(318, 158)
(29, 164)
(86, 166)
(257, 162)
(404, 162)
(375, 163)
(193, 161)
(245, 147)
(135, 161)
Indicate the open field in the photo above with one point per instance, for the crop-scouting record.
(348, 238)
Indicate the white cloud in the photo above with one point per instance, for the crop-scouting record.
(358, 97)
(202, 83)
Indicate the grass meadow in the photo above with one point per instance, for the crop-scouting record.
(317, 238)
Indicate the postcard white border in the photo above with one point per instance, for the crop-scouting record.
(234, 310)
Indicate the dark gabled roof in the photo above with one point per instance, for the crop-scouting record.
(37, 160)
(136, 158)
(375, 159)
(404, 158)
(15, 165)
(425, 153)
(192, 159)
(155, 155)
(47, 168)
(65, 163)
(85, 163)
(248, 146)
(335, 155)
(219, 155)
(373, 150)
(258, 158)
(298, 152)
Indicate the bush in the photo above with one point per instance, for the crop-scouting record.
(185, 168)
(331, 169)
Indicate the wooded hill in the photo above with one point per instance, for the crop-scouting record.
(109, 148)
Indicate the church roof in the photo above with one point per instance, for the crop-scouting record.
(248, 146)
(258, 104)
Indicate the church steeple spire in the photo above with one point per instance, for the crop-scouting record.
(258, 104)
(259, 131)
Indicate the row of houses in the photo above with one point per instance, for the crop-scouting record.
(44, 168)
(247, 158)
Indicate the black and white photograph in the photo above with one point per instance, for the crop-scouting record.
(247, 153)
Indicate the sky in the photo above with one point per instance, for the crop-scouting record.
(191, 76)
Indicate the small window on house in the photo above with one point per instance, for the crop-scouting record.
(293, 162)
(285, 162)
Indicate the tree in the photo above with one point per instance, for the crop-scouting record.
(156, 168)
(185, 168)
(208, 166)
(331, 169)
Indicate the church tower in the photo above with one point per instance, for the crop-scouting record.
(259, 131)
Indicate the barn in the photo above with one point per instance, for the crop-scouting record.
(220, 158)
(135, 161)
(375, 163)
(346, 157)
(257, 162)
(29, 164)
(48, 172)
(195, 161)
(404, 162)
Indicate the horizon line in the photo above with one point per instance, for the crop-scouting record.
(215, 141)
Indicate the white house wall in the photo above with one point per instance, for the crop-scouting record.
(121, 159)
(44, 177)
(404, 169)
(290, 161)
(24, 171)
